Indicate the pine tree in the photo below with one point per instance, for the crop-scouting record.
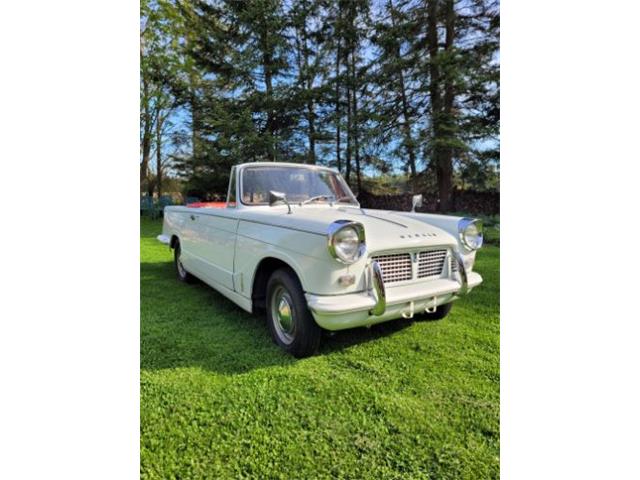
(355, 84)
(398, 104)
(456, 46)
(311, 49)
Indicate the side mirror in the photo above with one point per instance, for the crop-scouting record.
(276, 197)
(416, 201)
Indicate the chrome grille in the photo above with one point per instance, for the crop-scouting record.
(398, 267)
(395, 267)
(454, 264)
(431, 263)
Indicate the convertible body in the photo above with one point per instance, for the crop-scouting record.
(397, 264)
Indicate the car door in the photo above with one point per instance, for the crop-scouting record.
(182, 222)
(213, 247)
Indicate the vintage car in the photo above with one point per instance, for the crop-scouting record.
(292, 239)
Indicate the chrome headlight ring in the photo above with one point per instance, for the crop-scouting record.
(346, 231)
(470, 232)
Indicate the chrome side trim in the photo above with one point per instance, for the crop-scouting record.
(277, 226)
(378, 291)
(464, 281)
(229, 217)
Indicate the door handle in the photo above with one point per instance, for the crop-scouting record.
(193, 217)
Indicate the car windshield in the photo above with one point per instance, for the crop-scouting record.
(298, 183)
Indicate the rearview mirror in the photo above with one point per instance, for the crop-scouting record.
(416, 201)
(275, 197)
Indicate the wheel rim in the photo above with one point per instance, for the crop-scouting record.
(181, 271)
(282, 314)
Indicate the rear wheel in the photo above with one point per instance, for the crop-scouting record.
(441, 312)
(291, 324)
(181, 273)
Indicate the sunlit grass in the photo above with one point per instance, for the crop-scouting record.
(399, 400)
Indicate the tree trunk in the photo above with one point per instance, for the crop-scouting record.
(406, 118)
(195, 148)
(349, 123)
(159, 123)
(447, 117)
(356, 144)
(312, 132)
(193, 106)
(146, 135)
(196, 151)
(150, 187)
(308, 83)
(443, 177)
(406, 126)
(267, 64)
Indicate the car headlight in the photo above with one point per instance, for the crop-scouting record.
(346, 241)
(470, 233)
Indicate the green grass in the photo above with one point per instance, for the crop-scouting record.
(399, 400)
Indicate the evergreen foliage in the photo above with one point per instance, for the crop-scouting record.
(396, 86)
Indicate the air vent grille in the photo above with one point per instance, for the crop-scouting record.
(431, 263)
(395, 267)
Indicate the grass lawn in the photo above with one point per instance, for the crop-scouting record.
(399, 400)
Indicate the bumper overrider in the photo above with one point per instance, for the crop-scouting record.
(379, 303)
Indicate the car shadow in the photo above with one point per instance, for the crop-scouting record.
(342, 339)
(192, 325)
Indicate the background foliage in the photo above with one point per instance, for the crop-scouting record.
(385, 91)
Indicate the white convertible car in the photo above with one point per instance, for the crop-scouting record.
(292, 239)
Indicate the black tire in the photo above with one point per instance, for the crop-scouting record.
(441, 312)
(298, 333)
(181, 273)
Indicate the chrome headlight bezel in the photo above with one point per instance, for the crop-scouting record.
(464, 227)
(332, 232)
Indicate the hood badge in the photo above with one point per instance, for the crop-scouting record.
(417, 235)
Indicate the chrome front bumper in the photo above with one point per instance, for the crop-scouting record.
(378, 292)
(380, 303)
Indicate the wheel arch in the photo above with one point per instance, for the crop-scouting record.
(263, 271)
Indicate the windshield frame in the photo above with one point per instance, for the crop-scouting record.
(240, 178)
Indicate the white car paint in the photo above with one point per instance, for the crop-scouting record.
(224, 248)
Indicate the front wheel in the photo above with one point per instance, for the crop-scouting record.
(291, 324)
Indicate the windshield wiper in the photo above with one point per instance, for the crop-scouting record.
(317, 197)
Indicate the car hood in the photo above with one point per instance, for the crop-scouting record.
(384, 230)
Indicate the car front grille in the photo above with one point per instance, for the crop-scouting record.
(454, 264)
(431, 263)
(398, 267)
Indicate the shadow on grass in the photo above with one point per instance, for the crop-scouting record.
(194, 326)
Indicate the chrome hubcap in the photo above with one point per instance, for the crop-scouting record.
(282, 313)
